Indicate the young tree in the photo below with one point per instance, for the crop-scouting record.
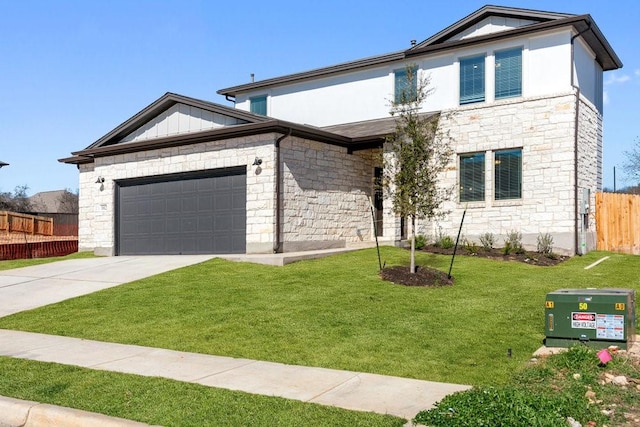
(415, 156)
(632, 165)
(18, 201)
(68, 202)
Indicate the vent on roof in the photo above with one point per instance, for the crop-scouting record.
(413, 42)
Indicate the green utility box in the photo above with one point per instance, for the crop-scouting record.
(596, 317)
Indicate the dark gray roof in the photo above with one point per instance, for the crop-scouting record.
(605, 54)
(265, 125)
(369, 128)
(3, 164)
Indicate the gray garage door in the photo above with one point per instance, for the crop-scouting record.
(182, 214)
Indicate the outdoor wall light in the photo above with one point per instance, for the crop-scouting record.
(257, 162)
(100, 180)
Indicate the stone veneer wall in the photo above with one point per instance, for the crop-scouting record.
(544, 128)
(97, 202)
(325, 195)
(589, 162)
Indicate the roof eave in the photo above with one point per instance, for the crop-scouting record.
(604, 52)
(276, 126)
(315, 73)
(483, 13)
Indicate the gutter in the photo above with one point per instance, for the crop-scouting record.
(277, 244)
(576, 213)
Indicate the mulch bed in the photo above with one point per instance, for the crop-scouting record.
(424, 276)
(429, 277)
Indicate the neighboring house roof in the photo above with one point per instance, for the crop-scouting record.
(46, 201)
(119, 140)
(444, 39)
(3, 164)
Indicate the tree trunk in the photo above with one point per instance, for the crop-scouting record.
(412, 268)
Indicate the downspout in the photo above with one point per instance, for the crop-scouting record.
(278, 172)
(230, 98)
(576, 213)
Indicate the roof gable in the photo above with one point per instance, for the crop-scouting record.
(174, 114)
(488, 20)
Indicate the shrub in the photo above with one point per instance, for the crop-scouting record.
(545, 244)
(513, 243)
(446, 242)
(443, 240)
(487, 240)
(470, 246)
(421, 241)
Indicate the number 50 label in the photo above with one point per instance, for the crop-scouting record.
(583, 306)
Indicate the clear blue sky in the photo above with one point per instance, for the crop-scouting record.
(70, 71)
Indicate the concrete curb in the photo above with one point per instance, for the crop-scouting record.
(25, 413)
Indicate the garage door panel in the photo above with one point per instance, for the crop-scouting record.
(183, 215)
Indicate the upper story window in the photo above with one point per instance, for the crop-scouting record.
(472, 177)
(508, 73)
(258, 105)
(472, 80)
(406, 85)
(508, 174)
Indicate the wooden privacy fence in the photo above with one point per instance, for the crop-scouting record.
(38, 249)
(12, 222)
(618, 222)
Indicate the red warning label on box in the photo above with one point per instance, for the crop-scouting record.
(583, 320)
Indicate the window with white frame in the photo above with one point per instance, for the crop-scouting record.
(472, 177)
(472, 80)
(508, 174)
(508, 76)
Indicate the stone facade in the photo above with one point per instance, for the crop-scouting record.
(544, 128)
(326, 196)
(97, 201)
(325, 190)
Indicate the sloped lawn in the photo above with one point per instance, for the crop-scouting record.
(337, 313)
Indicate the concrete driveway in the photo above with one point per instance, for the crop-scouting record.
(31, 287)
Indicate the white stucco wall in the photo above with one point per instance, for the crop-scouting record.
(366, 94)
(588, 73)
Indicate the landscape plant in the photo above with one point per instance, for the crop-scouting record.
(513, 243)
(488, 241)
(421, 241)
(415, 155)
(470, 246)
(545, 244)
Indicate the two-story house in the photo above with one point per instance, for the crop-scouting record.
(294, 165)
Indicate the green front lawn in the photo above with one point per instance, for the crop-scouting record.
(336, 313)
(160, 401)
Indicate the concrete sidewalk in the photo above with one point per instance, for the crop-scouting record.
(401, 397)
